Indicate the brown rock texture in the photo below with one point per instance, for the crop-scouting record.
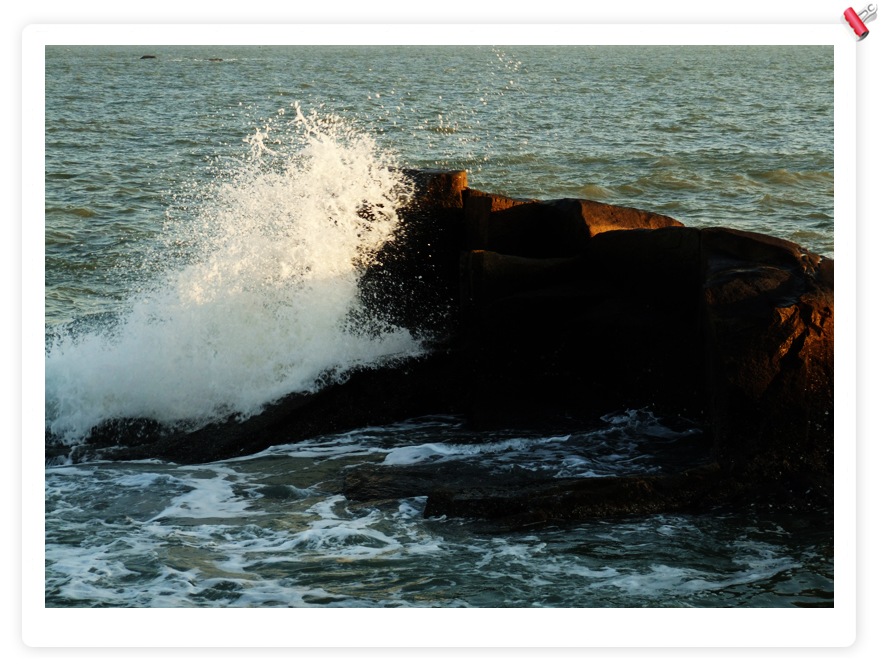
(769, 320)
(543, 229)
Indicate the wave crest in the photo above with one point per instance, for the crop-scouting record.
(256, 295)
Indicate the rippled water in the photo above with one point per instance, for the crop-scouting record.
(191, 268)
(709, 135)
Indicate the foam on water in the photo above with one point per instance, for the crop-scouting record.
(621, 444)
(256, 294)
(209, 498)
(426, 452)
(210, 535)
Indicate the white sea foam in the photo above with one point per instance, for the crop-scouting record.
(210, 539)
(209, 497)
(425, 452)
(257, 295)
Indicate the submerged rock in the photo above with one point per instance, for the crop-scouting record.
(575, 499)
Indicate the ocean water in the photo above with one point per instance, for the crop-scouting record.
(203, 253)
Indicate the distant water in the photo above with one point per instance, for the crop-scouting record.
(202, 253)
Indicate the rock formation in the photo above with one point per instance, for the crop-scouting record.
(551, 313)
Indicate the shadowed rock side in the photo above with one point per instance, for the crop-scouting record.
(413, 281)
(616, 326)
(729, 328)
(555, 228)
(548, 314)
(769, 325)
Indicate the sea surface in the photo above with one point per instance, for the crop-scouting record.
(203, 252)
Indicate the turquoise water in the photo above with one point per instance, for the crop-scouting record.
(191, 269)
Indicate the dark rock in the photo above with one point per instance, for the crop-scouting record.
(522, 496)
(369, 396)
(551, 314)
(533, 229)
(554, 228)
(730, 326)
(664, 260)
(616, 326)
(436, 189)
(378, 482)
(129, 431)
(487, 277)
(477, 207)
(575, 499)
(413, 282)
(496, 202)
(769, 318)
(147, 57)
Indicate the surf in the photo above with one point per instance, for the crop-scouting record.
(252, 292)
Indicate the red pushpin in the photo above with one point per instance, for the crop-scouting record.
(856, 20)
